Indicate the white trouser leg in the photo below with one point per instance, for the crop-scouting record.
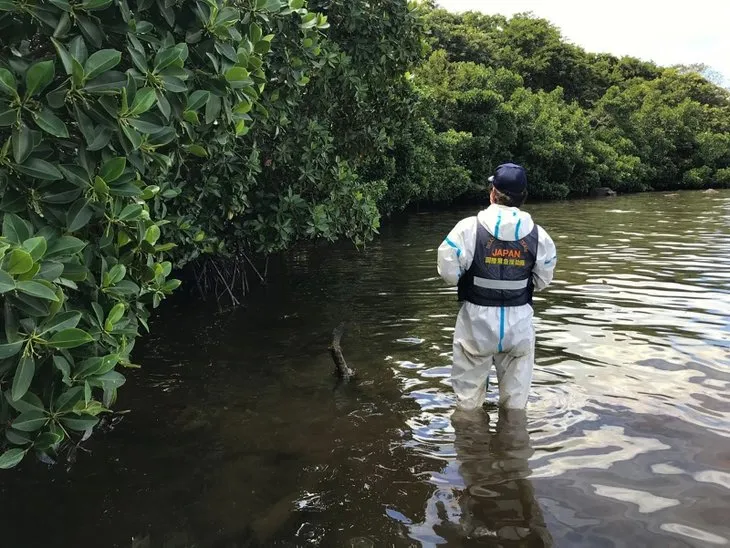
(514, 374)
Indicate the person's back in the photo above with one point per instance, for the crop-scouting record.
(497, 258)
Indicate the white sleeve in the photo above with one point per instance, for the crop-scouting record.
(547, 257)
(456, 252)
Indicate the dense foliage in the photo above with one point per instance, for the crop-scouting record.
(494, 89)
(137, 137)
(142, 137)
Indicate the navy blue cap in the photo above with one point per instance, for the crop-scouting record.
(510, 179)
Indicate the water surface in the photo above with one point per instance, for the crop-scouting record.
(238, 435)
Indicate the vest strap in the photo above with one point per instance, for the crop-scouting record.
(500, 284)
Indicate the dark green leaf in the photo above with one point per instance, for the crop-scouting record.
(36, 247)
(108, 83)
(79, 215)
(39, 169)
(77, 49)
(65, 197)
(18, 262)
(16, 437)
(8, 85)
(101, 140)
(100, 62)
(173, 84)
(67, 400)
(6, 282)
(37, 289)
(70, 338)
(90, 29)
(30, 421)
(84, 422)
(112, 169)
(65, 246)
(132, 212)
(163, 104)
(197, 99)
(11, 458)
(62, 321)
(23, 377)
(133, 136)
(50, 123)
(38, 77)
(65, 56)
(143, 101)
(22, 144)
(9, 350)
(46, 441)
(212, 109)
(93, 5)
(8, 117)
(50, 271)
(62, 365)
(15, 229)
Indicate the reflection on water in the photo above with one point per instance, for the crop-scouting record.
(238, 436)
(484, 494)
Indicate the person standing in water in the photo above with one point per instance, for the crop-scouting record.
(497, 259)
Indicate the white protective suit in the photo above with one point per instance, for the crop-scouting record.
(486, 335)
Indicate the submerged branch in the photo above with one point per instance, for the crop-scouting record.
(341, 368)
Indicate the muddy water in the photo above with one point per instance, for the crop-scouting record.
(238, 435)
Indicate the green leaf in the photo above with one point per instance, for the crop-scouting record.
(18, 262)
(115, 314)
(152, 234)
(6, 282)
(39, 169)
(77, 49)
(93, 5)
(8, 117)
(23, 377)
(79, 215)
(84, 422)
(212, 109)
(11, 458)
(90, 30)
(30, 421)
(50, 123)
(8, 85)
(100, 62)
(17, 438)
(113, 169)
(106, 84)
(46, 441)
(22, 144)
(133, 136)
(15, 229)
(62, 365)
(8, 350)
(37, 289)
(38, 77)
(50, 271)
(65, 246)
(143, 101)
(131, 213)
(116, 274)
(65, 56)
(197, 99)
(70, 338)
(238, 77)
(65, 320)
(36, 247)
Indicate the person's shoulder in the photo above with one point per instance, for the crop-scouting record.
(466, 223)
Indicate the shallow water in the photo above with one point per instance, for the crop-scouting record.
(238, 435)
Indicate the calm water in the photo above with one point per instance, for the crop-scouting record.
(239, 437)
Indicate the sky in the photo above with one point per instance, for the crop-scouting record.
(666, 32)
